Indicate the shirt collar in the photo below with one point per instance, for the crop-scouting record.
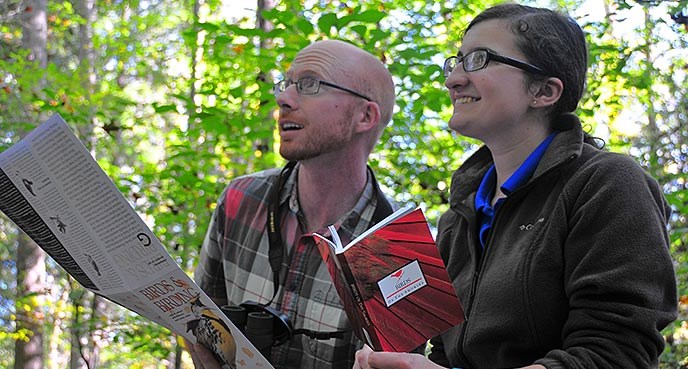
(291, 195)
(485, 192)
(526, 170)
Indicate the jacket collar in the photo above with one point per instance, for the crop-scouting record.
(466, 180)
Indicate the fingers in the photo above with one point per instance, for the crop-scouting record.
(202, 357)
(361, 358)
(395, 360)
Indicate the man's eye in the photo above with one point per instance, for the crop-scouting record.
(308, 83)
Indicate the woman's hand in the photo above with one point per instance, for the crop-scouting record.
(369, 359)
(366, 358)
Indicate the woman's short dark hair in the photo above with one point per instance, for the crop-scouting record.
(551, 41)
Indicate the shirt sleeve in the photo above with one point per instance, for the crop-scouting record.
(209, 273)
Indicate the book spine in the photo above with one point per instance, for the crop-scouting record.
(365, 320)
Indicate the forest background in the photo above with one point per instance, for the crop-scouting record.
(173, 100)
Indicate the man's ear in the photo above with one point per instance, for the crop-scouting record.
(549, 92)
(368, 117)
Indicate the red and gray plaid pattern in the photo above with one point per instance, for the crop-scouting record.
(234, 265)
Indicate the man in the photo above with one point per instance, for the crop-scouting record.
(334, 103)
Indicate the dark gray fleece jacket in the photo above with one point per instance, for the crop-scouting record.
(576, 271)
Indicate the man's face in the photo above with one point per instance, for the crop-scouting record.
(321, 123)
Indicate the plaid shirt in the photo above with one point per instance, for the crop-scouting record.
(234, 265)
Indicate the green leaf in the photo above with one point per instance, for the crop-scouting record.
(164, 108)
(305, 26)
(361, 30)
(210, 27)
(326, 22)
(369, 16)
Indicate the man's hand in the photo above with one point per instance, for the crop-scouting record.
(201, 356)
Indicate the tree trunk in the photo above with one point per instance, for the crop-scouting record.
(87, 62)
(30, 258)
(96, 330)
(265, 145)
(77, 358)
(30, 275)
(57, 358)
(35, 31)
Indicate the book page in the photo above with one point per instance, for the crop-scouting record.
(53, 190)
(392, 217)
(336, 242)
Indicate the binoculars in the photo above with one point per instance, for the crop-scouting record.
(263, 325)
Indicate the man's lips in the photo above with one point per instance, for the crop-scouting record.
(290, 126)
(288, 130)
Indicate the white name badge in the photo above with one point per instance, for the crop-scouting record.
(402, 282)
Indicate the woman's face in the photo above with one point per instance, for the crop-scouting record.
(490, 104)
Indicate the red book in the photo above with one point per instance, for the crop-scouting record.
(393, 282)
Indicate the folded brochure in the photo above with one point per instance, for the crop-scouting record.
(53, 189)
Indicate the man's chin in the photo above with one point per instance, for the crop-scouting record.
(293, 155)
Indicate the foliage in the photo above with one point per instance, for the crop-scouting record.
(181, 103)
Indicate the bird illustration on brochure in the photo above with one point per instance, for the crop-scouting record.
(393, 282)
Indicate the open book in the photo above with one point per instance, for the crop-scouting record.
(393, 282)
(53, 190)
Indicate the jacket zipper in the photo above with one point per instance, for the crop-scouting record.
(474, 284)
(483, 256)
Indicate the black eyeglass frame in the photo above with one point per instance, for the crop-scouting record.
(489, 57)
(282, 85)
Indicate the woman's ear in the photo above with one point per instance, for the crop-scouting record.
(548, 93)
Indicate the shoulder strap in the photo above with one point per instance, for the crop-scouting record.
(274, 236)
(383, 207)
(276, 251)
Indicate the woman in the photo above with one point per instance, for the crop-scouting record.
(557, 249)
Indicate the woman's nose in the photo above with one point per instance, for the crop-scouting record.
(457, 78)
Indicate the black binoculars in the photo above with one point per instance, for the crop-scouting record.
(266, 326)
(263, 325)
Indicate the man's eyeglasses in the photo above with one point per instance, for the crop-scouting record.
(310, 86)
(479, 58)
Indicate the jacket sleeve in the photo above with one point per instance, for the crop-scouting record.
(437, 354)
(618, 276)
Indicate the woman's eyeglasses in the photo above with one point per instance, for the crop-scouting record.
(480, 58)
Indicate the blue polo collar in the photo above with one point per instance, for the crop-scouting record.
(486, 189)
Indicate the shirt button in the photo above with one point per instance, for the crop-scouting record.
(313, 345)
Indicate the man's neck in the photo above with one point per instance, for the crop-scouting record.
(326, 193)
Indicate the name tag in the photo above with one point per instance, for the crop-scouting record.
(402, 282)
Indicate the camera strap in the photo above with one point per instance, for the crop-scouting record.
(274, 234)
(317, 335)
(382, 210)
